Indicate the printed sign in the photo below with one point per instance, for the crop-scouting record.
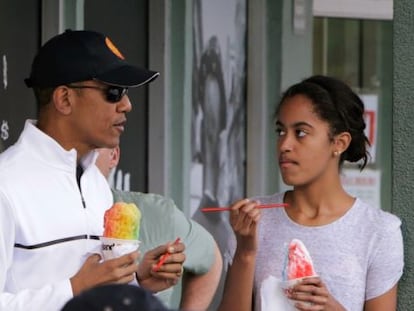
(371, 121)
(365, 185)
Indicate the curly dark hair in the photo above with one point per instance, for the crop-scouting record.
(336, 103)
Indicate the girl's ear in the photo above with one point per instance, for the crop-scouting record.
(341, 142)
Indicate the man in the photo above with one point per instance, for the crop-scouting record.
(52, 196)
(162, 221)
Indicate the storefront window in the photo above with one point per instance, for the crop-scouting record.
(359, 51)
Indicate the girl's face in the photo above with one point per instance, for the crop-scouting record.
(304, 148)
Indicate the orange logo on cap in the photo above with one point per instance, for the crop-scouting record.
(113, 48)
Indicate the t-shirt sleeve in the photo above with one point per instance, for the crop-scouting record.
(386, 266)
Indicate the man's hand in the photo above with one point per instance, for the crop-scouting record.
(95, 272)
(168, 274)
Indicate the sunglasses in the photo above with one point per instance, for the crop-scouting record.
(113, 94)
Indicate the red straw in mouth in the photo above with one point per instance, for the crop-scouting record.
(222, 209)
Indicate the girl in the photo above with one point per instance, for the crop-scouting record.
(356, 249)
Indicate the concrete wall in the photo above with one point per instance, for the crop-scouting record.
(403, 140)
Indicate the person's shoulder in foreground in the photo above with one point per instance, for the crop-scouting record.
(115, 297)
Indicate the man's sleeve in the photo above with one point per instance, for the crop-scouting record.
(49, 297)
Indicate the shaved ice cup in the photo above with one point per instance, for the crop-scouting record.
(287, 285)
(114, 248)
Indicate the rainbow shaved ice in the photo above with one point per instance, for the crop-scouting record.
(122, 221)
(298, 262)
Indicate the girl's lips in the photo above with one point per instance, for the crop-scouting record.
(286, 163)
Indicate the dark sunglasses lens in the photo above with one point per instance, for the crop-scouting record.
(114, 94)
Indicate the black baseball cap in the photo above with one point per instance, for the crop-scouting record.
(82, 55)
(116, 297)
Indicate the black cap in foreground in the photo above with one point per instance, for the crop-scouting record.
(82, 55)
(115, 297)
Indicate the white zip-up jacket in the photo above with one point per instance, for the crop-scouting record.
(48, 226)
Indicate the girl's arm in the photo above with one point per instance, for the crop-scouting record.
(238, 290)
(385, 302)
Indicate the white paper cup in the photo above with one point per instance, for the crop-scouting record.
(287, 285)
(272, 295)
(114, 248)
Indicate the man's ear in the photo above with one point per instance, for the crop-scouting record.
(61, 100)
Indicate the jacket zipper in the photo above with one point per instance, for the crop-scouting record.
(78, 178)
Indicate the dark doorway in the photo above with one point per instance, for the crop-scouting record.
(126, 24)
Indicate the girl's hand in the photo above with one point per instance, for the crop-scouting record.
(244, 217)
(312, 294)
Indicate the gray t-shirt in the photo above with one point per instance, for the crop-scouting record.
(359, 256)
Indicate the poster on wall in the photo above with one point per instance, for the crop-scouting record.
(218, 111)
(371, 121)
(219, 103)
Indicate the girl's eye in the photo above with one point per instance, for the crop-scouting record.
(300, 133)
(280, 132)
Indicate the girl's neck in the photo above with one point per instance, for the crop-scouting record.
(317, 207)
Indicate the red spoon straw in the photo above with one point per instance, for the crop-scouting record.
(164, 257)
(222, 209)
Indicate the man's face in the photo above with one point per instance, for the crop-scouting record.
(97, 122)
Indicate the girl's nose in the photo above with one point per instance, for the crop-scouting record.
(285, 143)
